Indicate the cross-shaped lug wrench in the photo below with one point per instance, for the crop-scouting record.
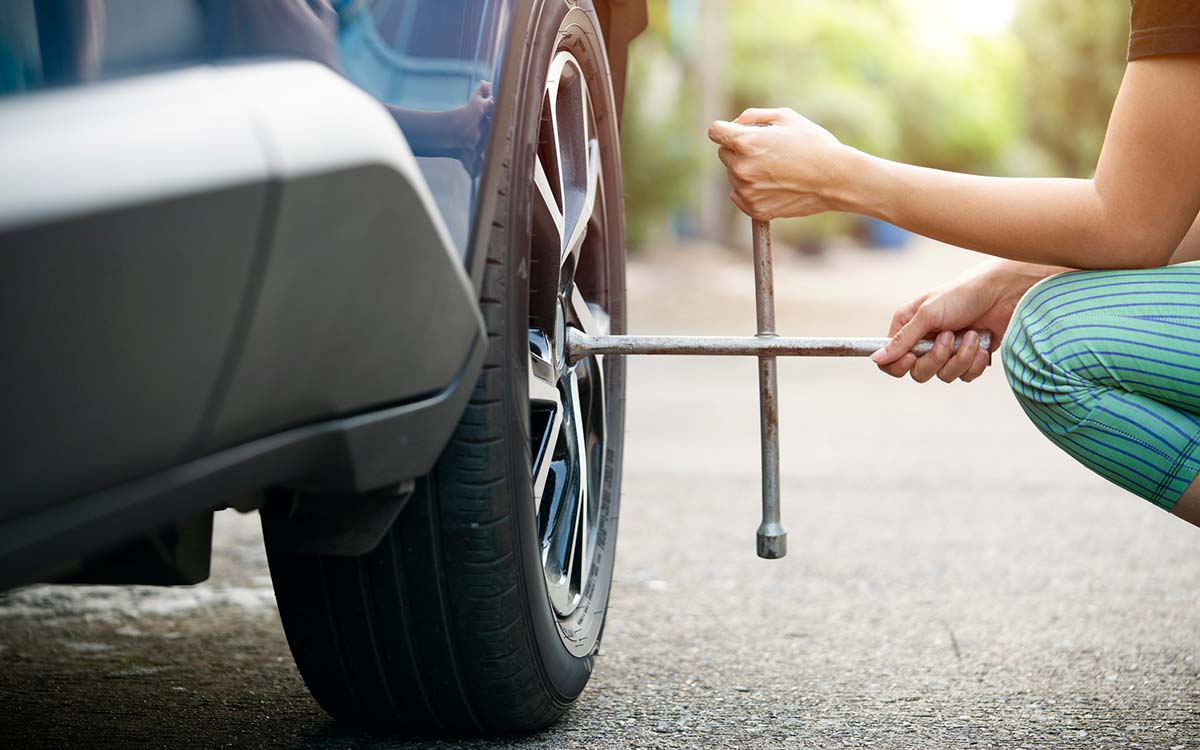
(766, 345)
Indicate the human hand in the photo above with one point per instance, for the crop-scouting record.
(788, 168)
(983, 299)
(450, 133)
(469, 124)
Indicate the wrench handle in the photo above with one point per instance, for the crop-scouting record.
(771, 536)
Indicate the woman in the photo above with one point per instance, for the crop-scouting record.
(1105, 361)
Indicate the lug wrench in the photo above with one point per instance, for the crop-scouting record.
(766, 345)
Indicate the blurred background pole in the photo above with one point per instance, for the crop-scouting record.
(709, 58)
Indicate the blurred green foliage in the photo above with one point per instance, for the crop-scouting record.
(1073, 57)
(891, 77)
(660, 151)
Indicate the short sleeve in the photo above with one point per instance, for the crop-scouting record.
(1164, 27)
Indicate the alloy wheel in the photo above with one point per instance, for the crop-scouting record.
(568, 288)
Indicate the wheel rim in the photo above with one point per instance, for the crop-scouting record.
(568, 288)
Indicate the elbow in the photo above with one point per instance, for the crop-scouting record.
(1146, 247)
(1130, 234)
(1132, 246)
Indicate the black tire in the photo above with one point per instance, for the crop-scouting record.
(447, 626)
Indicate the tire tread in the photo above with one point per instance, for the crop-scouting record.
(462, 659)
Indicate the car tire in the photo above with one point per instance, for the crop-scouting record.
(481, 609)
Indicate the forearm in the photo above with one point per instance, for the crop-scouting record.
(422, 129)
(1056, 222)
(1134, 213)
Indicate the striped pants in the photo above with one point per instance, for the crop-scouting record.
(1107, 365)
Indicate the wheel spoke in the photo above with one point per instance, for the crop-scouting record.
(542, 375)
(579, 222)
(590, 318)
(566, 517)
(560, 520)
(578, 154)
(547, 206)
(546, 405)
(579, 556)
(569, 117)
(550, 143)
(595, 322)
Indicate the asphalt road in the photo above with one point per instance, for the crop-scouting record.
(952, 580)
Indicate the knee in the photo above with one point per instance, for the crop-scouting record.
(1032, 376)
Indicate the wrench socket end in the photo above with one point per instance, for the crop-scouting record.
(772, 541)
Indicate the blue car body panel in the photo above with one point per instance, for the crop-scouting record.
(227, 290)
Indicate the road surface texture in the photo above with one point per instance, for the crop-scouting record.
(952, 580)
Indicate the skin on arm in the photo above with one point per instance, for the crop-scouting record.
(1140, 210)
(1141, 203)
(1134, 213)
(982, 299)
(455, 133)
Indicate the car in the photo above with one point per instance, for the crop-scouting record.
(319, 260)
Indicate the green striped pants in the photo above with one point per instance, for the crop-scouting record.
(1107, 365)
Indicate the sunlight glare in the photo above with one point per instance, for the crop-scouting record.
(984, 17)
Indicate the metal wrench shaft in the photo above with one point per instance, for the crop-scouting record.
(766, 345)
(580, 345)
(772, 538)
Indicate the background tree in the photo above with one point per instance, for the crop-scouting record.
(1073, 59)
(893, 77)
